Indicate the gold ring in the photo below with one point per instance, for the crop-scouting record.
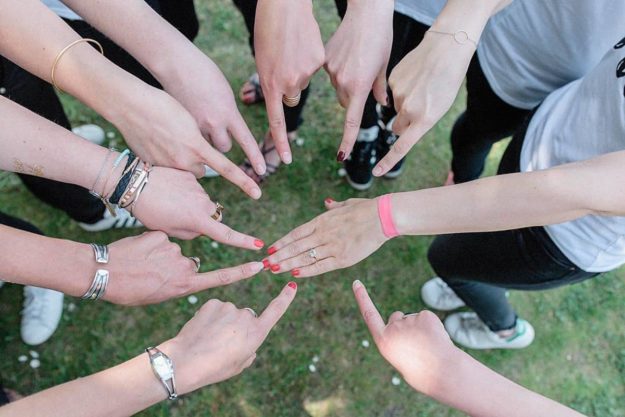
(197, 262)
(218, 211)
(291, 101)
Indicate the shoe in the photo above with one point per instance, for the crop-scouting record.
(124, 220)
(41, 314)
(466, 329)
(210, 172)
(384, 146)
(1, 283)
(362, 159)
(93, 133)
(437, 295)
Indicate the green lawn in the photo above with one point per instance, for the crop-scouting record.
(578, 356)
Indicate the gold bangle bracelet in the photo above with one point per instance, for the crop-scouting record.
(64, 50)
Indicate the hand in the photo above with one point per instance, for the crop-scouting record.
(343, 236)
(357, 58)
(417, 345)
(175, 203)
(289, 51)
(149, 269)
(206, 94)
(424, 85)
(159, 130)
(220, 341)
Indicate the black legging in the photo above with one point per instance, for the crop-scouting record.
(479, 267)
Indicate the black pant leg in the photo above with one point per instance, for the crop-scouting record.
(181, 14)
(16, 223)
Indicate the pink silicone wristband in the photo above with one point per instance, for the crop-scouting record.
(386, 216)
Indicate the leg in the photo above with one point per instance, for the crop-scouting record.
(181, 14)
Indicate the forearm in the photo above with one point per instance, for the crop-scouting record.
(469, 16)
(480, 392)
(119, 391)
(30, 259)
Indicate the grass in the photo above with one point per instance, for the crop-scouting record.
(578, 357)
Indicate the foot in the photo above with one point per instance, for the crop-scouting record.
(436, 294)
(41, 314)
(123, 220)
(360, 162)
(384, 146)
(272, 159)
(93, 133)
(251, 92)
(466, 329)
(450, 179)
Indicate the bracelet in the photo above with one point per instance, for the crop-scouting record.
(95, 183)
(163, 368)
(101, 278)
(131, 163)
(385, 213)
(137, 179)
(64, 50)
(461, 37)
(134, 202)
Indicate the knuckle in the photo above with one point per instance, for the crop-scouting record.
(399, 147)
(369, 315)
(351, 123)
(224, 277)
(276, 122)
(229, 235)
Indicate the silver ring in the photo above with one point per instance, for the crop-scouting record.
(251, 311)
(197, 262)
(312, 254)
(408, 315)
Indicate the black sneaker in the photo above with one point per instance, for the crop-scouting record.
(360, 163)
(387, 139)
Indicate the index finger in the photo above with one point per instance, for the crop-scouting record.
(225, 276)
(277, 125)
(217, 161)
(400, 148)
(276, 309)
(353, 117)
(369, 312)
(224, 234)
(241, 133)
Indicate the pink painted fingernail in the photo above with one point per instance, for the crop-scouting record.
(275, 268)
(329, 200)
(295, 272)
(272, 250)
(292, 285)
(259, 243)
(266, 264)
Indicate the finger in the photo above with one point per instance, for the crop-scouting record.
(224, 234)
(231, 172)
(277, 125)
(331, 204)
(276, 309)
(241, 133)
(400, 148)
(380, 91)
(225, 276)
(249, 362)
(318, 268)
(351, 128)
(298, 233)
(398, 315)
(294, 249)
(304, 259)
(220, 140)
(369, 312)
(401, 123)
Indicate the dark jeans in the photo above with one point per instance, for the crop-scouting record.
(293, 115)
(39, 97)
(479, 267)
(486, 120)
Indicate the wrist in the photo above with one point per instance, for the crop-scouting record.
(176, 353)
(443, 381)
(386, 216)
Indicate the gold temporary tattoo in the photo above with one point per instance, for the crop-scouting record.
(22, 168)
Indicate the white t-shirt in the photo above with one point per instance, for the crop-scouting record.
(581, 120)
(533, 47)
(423, 11)
(62, 10)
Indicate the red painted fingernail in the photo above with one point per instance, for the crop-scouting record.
(295, 272)
(266, 264)
(275, 268)
(259, 243)
(340, 157)
(329, 200)
(292, 285)
(272, 250)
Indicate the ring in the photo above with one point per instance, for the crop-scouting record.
(312, 254)
(197, 262)
(291, 101)
(251, 311)
(218, 211)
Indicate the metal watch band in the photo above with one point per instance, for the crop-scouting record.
(162, 364)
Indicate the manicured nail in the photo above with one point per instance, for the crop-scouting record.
(357, 284)
(259, 243)
(275, 268)
(287, 158)
(292, 285)
(377, 171)
(340, 157)
(329, 200)
(266, 264)
(295, 272)
(256, 193)
(272, 250)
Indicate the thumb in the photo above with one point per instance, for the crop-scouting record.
(380, 91)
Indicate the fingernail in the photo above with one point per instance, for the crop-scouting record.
(259, 243)
(340, 157)
(357, 284)
(275, 268)
(256, 193)
(287, 158)
(377, 171)
(266, 264)
(295, 272)
(271, 250)
(292, 285)
(329, 200)
(261, 169)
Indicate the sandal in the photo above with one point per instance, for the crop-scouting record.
(271, 168)
(251, 92)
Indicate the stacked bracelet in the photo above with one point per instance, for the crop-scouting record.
(131, 164)
(101, 278)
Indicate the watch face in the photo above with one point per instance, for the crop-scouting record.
(163, 367)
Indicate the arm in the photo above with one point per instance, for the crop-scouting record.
(426, 82)
(219, 342)
(350, 231)
(420, 349)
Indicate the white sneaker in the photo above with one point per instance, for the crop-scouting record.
(466, 329)
(41, 314)
(1, 283)
(210, 172)
(437, 295)
(124, 220)
(93, 133)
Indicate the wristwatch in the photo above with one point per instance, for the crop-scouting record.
(163, 368)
